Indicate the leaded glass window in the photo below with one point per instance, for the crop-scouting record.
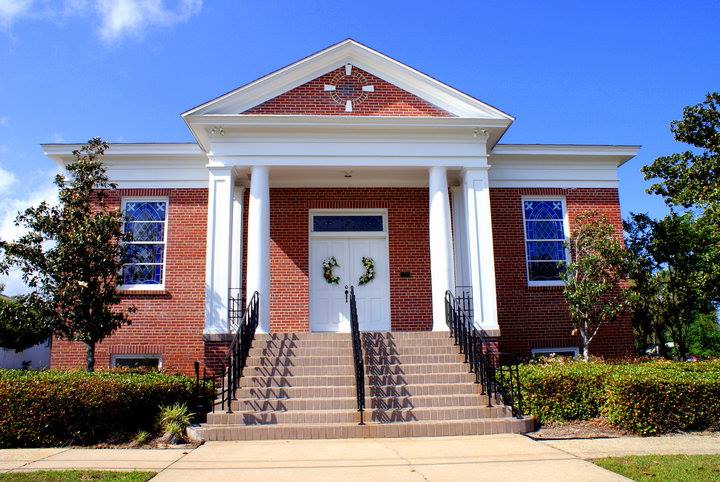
(349, 223)
(544, 239)
(144, 262)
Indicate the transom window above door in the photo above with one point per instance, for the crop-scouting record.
(338, 223)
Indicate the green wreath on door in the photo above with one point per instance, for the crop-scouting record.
(369, 274)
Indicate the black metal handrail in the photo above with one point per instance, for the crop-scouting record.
(357, 354)
(496, 372)
(236, 308)
(203, 401)
(238, 353)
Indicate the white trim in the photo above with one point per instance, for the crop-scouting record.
(547, 351)
(149, 287)
(348, 212)
(566, 229)
(135, 356)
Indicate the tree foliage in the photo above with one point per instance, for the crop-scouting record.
(675, 271)
(20, 325)
(692, 178)
(71, 254)
(594, 278)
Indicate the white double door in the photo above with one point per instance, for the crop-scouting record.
(329, 310)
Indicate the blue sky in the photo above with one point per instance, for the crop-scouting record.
(570, 72)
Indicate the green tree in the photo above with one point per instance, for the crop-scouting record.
(594, 279)
(71, 254)
(20, 325)
(692, 178)
(676, 271)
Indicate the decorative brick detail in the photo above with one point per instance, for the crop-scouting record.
(311, 99)
(537, 317)
(169, 323)
(409, 246)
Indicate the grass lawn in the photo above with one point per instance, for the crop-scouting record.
(76, 476)
(665, 467)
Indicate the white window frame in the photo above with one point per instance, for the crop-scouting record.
(135, 356)
(348, 212)
(548, 351)
(566, 232)
(149, 287)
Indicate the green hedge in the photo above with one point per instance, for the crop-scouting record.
(53, 407)
(645, 398)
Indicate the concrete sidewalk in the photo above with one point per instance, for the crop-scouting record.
(504, 457)
(618, 447)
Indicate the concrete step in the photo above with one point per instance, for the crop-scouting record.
(350, 370)
(303, 351)
(430, 389)
(342, 403)
(271, 361)
(435, 428)
(395, 335)
(392, 415)
(349, 380)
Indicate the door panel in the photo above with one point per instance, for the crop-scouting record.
(328, 309)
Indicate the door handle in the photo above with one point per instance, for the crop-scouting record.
(346, 293)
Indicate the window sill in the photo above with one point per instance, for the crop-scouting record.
(131, 293)
(549, 287)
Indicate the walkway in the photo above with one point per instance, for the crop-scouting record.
(492, 457)
(617, 447)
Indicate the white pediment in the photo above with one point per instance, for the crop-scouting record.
(365, 58)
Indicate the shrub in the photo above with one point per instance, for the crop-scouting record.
(643, 397)
(652, 400)
(54, 407)
(558, 391)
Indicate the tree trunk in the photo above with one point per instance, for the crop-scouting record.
(583, 337)
(660, 342)
(90, 357)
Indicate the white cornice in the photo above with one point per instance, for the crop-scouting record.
(619, 154)
(63, 153)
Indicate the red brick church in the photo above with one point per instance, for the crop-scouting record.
(348, 168)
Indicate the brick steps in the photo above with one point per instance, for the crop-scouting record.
(302, 385)
(263, 361)
(349, 403)
(370, 430)
(349, 391)
(392, 369)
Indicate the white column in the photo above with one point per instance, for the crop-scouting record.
(441, 251)
(219, 249)
(459, 227)
(258, 246)
(480, 256)
(237, 233)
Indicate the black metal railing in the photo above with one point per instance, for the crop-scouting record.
(236, 308)
(464, 300)
(204, 393)
(357, 354)
(238, 353)
(496, 372)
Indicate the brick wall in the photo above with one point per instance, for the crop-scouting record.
(168, 323)
(410, 302)
(536, 317)
(311, 99)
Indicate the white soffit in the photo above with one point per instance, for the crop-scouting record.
(336, 56)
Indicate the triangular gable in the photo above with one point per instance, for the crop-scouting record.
(348, 90)
(417, 94)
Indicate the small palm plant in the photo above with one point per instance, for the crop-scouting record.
(173, 420)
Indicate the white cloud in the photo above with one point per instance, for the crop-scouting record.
(10, 10)
(7, 179)
(14, 201)
(4, 121)
(118, 18)
(130, 17)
